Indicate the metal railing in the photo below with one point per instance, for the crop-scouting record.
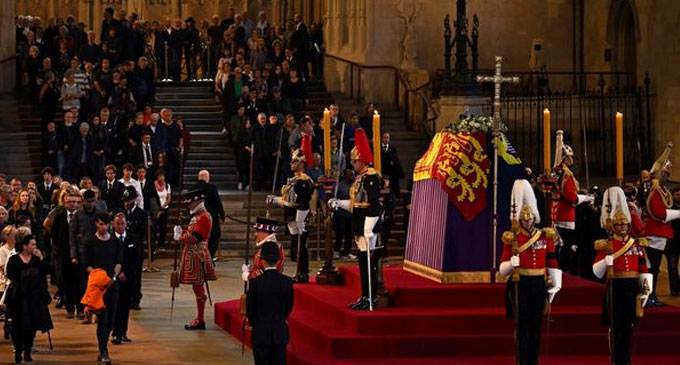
(422, 117)
(10, 58)
(587, 119)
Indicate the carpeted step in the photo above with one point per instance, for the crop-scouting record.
(324, 331)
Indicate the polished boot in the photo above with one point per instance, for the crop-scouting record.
(301, 279)
(195, 325)
(361, 302)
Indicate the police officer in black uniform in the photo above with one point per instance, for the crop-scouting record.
(294, 199)
(137, 223)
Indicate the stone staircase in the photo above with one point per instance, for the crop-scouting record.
(410, 144)
(20, 141)
(196, 104)
(202, 114)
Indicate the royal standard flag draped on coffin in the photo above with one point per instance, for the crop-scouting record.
(450, 227)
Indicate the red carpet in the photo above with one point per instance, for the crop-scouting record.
(452, 324)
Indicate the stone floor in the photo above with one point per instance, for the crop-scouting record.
(159, 340)
(155, 337)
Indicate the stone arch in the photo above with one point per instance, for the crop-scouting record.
(623, 34)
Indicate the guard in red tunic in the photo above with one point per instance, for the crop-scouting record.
(565, 198)
(196, 265)
(265, 232)
(529, 255)
(622, 258)
(657, 216)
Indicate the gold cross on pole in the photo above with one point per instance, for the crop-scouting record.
(498, 79)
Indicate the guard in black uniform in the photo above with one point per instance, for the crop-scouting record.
(137, 223)
(365, 207)
(294, 199)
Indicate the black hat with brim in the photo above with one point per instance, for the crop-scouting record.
(193, 195)
(267, 225)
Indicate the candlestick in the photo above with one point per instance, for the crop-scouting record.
(377, 163)
(546, 141)
(327, 142)
(619, 147)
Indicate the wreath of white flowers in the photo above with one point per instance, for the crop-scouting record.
(471, 124)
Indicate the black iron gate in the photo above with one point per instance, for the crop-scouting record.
(588, 121)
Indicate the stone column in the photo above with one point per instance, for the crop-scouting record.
(7, 46)
(352, 25)
(361, 27)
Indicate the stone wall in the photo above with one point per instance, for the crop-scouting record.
(373, 33)
(659, 53)
(7, 35)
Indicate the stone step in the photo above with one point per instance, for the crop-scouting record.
(181, 109)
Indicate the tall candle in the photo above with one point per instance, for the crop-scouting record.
(619, 148)
(327, 141)
(546, 141)
(377, 163)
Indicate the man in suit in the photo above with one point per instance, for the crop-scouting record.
(151, 199)
(391, 167)
(149, 194)
(213, 204)
(111, 190)
(137, 223)
(50, 145)
(46, 189)
(80, 160)
(67, 274)
(131, 248)
(142, 153)
(268, 305)
(300, 41)
(158, 134)
(175, 44)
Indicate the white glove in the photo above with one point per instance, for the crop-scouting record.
(649, 279)
(270, 199)
(245, 272)
(293, 227)
(506, 268)
(300, 218)
(514, 261)
(177, 233)
(609, 260)
(339, 204)
(556, 277)
(574, 248)
(599, 268)
(369, 224)
(671, 214)
(582, 198)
